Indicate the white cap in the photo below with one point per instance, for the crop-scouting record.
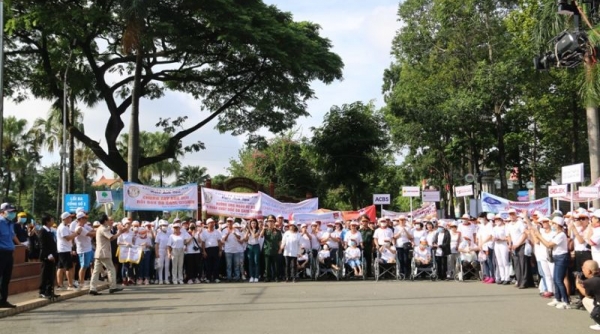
(125, 221)
(279, 216)
(78, 210)
(81, 214)
(537, 213)
(176, 225)
(558, 221)
(512, 211)
(230, 219)
(596, 213)
(465, 216)
(402, 217)
(452, 223)
(210, 220)
(163, 222)
(544, 218)
(490, 216)
(65, 215)
(96, 224)
(382, 220)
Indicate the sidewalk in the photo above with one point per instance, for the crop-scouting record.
(30, 300)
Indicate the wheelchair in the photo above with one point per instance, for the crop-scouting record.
(428, 271)
(348, 272)
(381, 270)
(468, 270)
(322, 271)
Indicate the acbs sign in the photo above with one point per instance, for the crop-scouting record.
(380, 199)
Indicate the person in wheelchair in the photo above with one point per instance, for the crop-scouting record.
(325, 258)
(422, 254)
(388, 252)
(302, 261)
(468, 254)
(353, 258)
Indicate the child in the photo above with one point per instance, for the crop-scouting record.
(353, 258)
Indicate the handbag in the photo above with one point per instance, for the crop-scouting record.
(197, 247)
(549, 255)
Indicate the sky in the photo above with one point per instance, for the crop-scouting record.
(361, 33)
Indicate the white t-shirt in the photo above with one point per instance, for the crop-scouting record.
(211, 239)
(540, 251)
(595, 240)
(232, 245)
(454, 242)
(63, 245)
(430, 236)
(402, 233)
(83, 243)
(189, 249)
(353, 253)
(418, 234)
(381, 234)
(145, 243)
(439, 241)
(387, 255)
(353, 236)
(305, 241)
(422, 254)
(323, 254)
(469, 249)
(176, 241)
(467, 230)
(162, 239)
(580, 247)
(291, 243)
(125, 238)
(486, 231)
(334, 244)
(561, 244)
(516, 231)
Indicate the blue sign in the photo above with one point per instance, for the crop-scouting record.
(75, 201)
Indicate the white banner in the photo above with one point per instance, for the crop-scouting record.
(323, 217)
(104, 197)
(418, 213)
(271, 206)
(463, 191)
(572, 174)
(381, 199)
(138, 197)
(431, 196)
(226, 203)
(558, 191)
(588, 192)
(411, 191)
(496, 204)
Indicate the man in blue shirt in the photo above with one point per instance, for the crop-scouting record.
(7, 246)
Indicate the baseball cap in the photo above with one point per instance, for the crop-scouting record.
(465, 216)
(490, 216)
(279, 216)
(65, 215)
(512, 211)
(210, 220)
(176, 225)
(230, 219)
(22, 214)
(163, 222)
(7, 207)
(81, 214)
(596, 213)
(96, 224)
(558, 221)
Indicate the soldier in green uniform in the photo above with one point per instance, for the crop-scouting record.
(366, 231)
(271, 248)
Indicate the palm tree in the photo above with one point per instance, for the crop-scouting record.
(192, 174)
(21, 151)
(86, 163)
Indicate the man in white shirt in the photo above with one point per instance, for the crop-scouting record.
(467, 229)
(211, 250)
(403, 237)
(232, 241)
(382, 233)
(517, 238)
(64, 244)
(593, 236)
(485, 238)
(83, 243)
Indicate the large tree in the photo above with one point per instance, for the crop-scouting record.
(248, 64)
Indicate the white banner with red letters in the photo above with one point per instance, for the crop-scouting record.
(418, 213)
(271, 206)
(496, 204)
(138, 197)
(227, 203)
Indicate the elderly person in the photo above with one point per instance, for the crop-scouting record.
(403, 239)
(455, 240)
(422, 254)
(145, 243)
(441, 243)
(353, 235)
(590, 288)
(175, 251)
(103, 256)
(560, 255)
(290, 247)
(126, 240)
(161, 244)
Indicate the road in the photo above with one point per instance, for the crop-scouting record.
(306, 307)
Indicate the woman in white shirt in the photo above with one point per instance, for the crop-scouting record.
(353, 235)
(162, 260)
(429, 234)
(455, 240)
(252, 237)
(500, 237)
(545, 268)
(290, 246)
(126, 240)
(175, 248)
(560, 256)
(145, 242)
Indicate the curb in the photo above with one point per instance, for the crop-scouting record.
(37, 303)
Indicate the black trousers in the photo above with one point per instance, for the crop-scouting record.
(212, 263)
(191, 263)
(272, 266)
(47, 277)
(291, 267)
(442, 266)
(6, 266)
(403, 262)
(368, 253)
(521, 266)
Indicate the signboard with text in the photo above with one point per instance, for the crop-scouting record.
(381, 199)
(463, 191)
(572, 174)
(431, 196)
(75, 201)
(558, 190)
(411, 191)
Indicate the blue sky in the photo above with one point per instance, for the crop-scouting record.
(361, 32)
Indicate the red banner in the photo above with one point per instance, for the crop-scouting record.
(370, 211)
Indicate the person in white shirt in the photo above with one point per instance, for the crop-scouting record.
(145, 243)
(192, 258)
(233, 248)
(545, 267)
(467, 228)
(126, 240)
(162, 260)
(382, 233)
(83, 244)
(560, 255)
(387, 252)
(501, 250)
(252, 237)
(212, 248)
(593, 236)
(64, 245)
(175, 250)
(455, 239)
(403, 239)
(468, 253)
(485, 240)
(290, 247)
(418, 233)
(422, 254)
(353, 258)
(353, 235)
(324, 257)
(517, 238)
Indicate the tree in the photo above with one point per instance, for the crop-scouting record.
(347, 145)
(192, 174)
(86, 163)
(248, 64)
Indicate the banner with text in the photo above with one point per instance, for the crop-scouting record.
(271, 206)
(496, 204)
(323, 217)
(370, 211)
(226, 203)
(418, 213)
(138, 197)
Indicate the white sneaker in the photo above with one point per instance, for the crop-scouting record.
(217, 280)
(60, 288)
(160, 282)
(553, 303)
(180, 281)
(76, 284)
(197, 281)
(595, 327)
(561, 306)
(190, 282)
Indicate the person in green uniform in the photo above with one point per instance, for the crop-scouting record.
(271, 249)
(366, 231)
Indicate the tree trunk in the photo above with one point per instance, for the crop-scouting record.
(134, 126)
(593, 137)
(58, 199)
(501, 151)
(71, 180)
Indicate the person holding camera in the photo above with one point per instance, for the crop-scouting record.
(590, 288)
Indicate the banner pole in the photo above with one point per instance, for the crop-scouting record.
(411, 210)
(572, 195)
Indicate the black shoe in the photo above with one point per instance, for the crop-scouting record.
(7, 305)
(94, 293)
(115, 290)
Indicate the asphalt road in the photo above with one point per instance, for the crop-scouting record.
(306, 307)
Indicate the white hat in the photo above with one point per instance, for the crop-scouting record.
(292, 222)
(279, 216)
(314, 223)
(177, 219)
(382, 220)
(230, 219)
(176, 225)
(135, 223)
(544, 218)
(537, 213)
(465, 216)
(303, 225)
(596, 213)
(65, 215)
(512, 211)
(237, 225)
(490, 216)
(498, 216)
(78, 210)
(338, 221)
(354, 222)
(96, 224)
(115, 224)
(81, 214)
(452, 223)
(402, 217)
(210, 220)
(558, 221)
(125, 221)
(163, 222)
(142, 230)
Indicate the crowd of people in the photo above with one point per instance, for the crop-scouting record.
(553, 254)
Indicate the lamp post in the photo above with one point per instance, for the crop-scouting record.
(63, 150)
